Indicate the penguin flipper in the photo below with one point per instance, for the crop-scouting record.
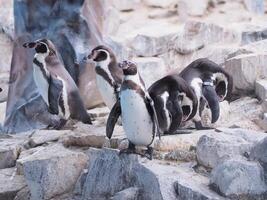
(113, 118)
(176, 111)
(54, 93)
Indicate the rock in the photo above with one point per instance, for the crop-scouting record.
(108, 173)
(153, 40)
(44, 136)
(4, 80)
(2, 112)
(181, 155)
(252, 33)
(126, 5)
(52, 171)
(99, 112)
(127, 194)
(6, 43)
(161, 13)
(111, 20)
(23, 194)
(250, 67)
(255, 6)
(258, 153)
(261, 89)
(194, 9)
(91, 136)
(9, 152)
(10, 184)
(264, 105)
(192, 186)
(239, 179)
(151, 69)
(160, 3)
(183, 142)
(184, 46)
(213, 149)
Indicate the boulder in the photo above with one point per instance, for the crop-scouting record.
(99, 112)
(111, 20)
(9, 151)
(153, 40)
(239, 179)
(91, 136)
(194, 9)
(52, 171)
(252, 33)
(259, 153)
(213, 149)
(255, 6)
(2, 112)
(23, 194)
(151, 69)
(250, 67)
(127, 194)
(4, 82)
(160, 3)
(261, 89)
(10, 184)
(6, 43)
(264, 105)
(181, 155)
(126, 5)
(44, 136)
(109, 173)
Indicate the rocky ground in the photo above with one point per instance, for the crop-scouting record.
(228, 162)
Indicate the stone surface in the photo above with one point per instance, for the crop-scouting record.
(192, 186)
(10, 184)
(250, 67)
(99, 112)
(2, 112)
(239, 179)
(181, 155)
(255, 6)
(52, 171)
(194, 9)
(23, 194)
(261, 89)
(4, 80)
(160, 3)
(44, 136)
(6, 43)
(9, 152)
(127, 194)
(91, 136)
(126, 5)
(150, 64)
(152, 40)
(213, 149)
(264, 105)
(108, 173)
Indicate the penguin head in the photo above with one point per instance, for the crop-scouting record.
(128, 68)
(42, 46)
(101, 53)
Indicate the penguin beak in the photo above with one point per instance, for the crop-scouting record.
(211, 96)
(123, 65)
(92, 55)
(30, 45)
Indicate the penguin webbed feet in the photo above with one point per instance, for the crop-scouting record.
(199, 126)
(59, 124)
(132, 150)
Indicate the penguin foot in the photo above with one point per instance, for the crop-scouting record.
(149, 153)
(60, 124)
(199, 126)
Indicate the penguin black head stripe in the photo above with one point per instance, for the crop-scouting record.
(128, 68)
(1, 89)
(101, 53)
(42, 46)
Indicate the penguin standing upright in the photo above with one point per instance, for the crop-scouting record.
(174, 100)
(55, 84)
(108, 74)
(137, 111)
(211, 84)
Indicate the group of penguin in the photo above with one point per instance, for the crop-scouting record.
(145, 113)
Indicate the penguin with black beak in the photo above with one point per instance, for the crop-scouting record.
(56, 86)
(136, 108)
(175, 102)
(211, 84)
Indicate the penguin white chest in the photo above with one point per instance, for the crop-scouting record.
(106, 90)
(136, 120)
(41, 83)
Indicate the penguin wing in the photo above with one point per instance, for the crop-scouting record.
(54, 93)
(113, 118)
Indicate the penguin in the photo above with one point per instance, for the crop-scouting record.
(108, 74)
(211, 84)
(175, 102)
(56, 86)
(137, 111)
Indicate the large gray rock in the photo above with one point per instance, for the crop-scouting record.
(4, 82)
(153, 40)
(250, 67)
(160, 3)
(109, 173)
(259, 153)
(52, 171)
(126, 5)
(151, 69)
(127, 194)
(10, 183)
(261, 89)
(239, 179)
(225, 144)
(194, 9)
(255, 6)
(9, 152)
